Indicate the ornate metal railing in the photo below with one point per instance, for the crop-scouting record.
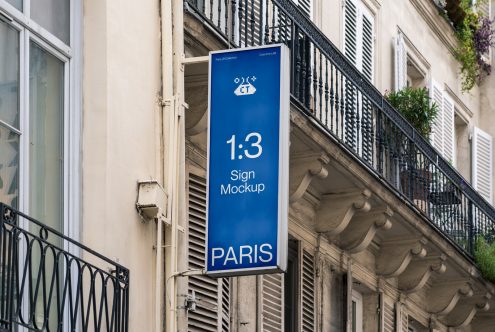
(342, 101)
(49, 282)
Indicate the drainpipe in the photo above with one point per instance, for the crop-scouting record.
(172, 103)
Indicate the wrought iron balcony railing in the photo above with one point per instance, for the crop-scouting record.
(49, 282)
(344, 103)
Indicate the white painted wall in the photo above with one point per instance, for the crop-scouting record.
(120, 146)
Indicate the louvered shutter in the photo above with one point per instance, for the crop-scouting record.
(350, 51)
(437, 130)
(448, 151)
(400, 63)
(367, 36)
(272, 307)
(225, 303)
(388, 317)
(482, 164)
(305, 6)
(350, 31)
(308, 292)
(365, 117)
(213, 308)
(404, 318)
(443, 131)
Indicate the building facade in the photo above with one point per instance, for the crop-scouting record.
(103, 122)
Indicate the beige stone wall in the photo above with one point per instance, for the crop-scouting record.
(433, 40)
(121, 83)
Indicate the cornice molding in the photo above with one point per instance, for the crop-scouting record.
(443, 30)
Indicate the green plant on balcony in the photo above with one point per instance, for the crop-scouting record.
(414, 104)
(484, 255)
(475, 35)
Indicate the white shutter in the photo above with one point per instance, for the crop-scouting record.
(448, 151)
(308, 292)
(272, 307)
(400, 63)
(213, 308)
(443, 131)
(225, 303)
(350, 31)
(367, 42)
(306, 6)
(388, 317)
(437, 130)
(404, 318)
(482, 164)
(359, 37)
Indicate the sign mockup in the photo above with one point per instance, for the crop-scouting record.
(248, 157)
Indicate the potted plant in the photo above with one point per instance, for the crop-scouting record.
(415, 105)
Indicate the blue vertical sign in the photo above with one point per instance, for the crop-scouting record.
(248, 156)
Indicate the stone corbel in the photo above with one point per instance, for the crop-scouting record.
(361, 231)
(303, 171)
(443, 297)
(396, 254)
(419, 272)
(464, 312)
(336, 210)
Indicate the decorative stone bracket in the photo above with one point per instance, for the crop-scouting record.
(337, 210)
(396, 254)
(363, 228)
(419, 272)
(302, 172)
(443, 297)
(464, 312)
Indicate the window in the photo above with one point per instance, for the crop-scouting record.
(213, 294)
(37, 106)
(290, 295)
(39, 164)
(462, 145)
(358, 48)
(356, 312)
(409, 66)
(359, 37)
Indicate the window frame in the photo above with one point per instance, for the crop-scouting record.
(71, 57)
(413, 56)
(357, 298)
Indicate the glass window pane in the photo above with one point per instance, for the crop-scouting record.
(54, 16)
(46, 105)
(9, 75)
(16, 3)
(9, 167)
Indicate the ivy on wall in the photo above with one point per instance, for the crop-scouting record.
(475, 34)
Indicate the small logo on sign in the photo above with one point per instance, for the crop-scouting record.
(245, 87)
